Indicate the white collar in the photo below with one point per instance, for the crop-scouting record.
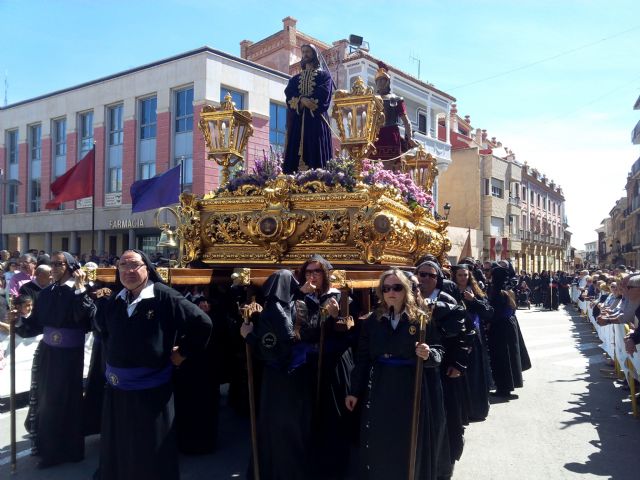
(70, 283)
(146, 292)
(434, 294)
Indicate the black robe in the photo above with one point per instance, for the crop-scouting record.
(478, 375)
(332, 422)
(286, 394)
(138, 437)
(197, 397)
(59, 420)
(450, 319)
(504, 345)
(383, 381)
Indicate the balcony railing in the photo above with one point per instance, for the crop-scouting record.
(515, 201)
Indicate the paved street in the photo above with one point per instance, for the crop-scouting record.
(569, 422)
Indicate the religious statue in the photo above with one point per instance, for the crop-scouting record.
(390, 144)
(308, 97)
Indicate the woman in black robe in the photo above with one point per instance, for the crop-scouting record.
(503, 338)
(63, 313)
(286, 393)
(383, 380)
(478, 375)
(147, 329)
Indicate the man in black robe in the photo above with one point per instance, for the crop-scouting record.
(63, 313)
(147, 329)
(308, 97)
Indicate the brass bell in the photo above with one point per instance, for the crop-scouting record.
(167, 237)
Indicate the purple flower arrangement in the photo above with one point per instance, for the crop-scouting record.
(339, 171)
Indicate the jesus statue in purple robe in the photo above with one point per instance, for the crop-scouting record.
(308, 97)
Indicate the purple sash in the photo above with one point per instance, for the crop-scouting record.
(396, 361)
(63, 337)
(138, 378)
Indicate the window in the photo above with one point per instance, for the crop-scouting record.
(148, 118)
(115, 121)
(11, 205)
(422, 122)
(497, 226)
(277, 125)
(531, 199)
(184, 110)
(116, 125)
(59, 148)
(538, 198)
(524, 222)
(524, 194)
(147, 144)
(35, 156)
(497, 188)
(183, 135)
(86, 133)
(236, 97)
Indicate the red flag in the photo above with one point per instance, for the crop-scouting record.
(75, 184)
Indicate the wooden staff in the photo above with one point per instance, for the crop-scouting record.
(252, 402)
(323, 321)
(12, 374)
(417, 394)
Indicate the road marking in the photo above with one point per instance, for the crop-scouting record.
(20, 454)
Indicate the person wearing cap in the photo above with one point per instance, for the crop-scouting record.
(308, 95)
(63, 314)
(383, 384)
(147, 329)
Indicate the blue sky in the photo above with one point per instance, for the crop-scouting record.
(570, 115)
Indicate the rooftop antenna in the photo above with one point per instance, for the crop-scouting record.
(417, 60)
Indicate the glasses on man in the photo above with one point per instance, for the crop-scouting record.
(396, 287)
(311, 271)
(427, 274)
(58, 264)
(130, 266)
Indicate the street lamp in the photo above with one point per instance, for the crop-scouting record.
(447, 209)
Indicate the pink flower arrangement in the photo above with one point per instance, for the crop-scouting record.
(412, 194)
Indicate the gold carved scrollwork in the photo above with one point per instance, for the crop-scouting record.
(339, 279)
(241, 276)
(272, 229)
(164, 273)
(331, 227)
(225, 228)
(189, 227)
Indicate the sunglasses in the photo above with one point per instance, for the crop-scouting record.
(311, 271)
(58, 264)
(427, 274)
(396, 287)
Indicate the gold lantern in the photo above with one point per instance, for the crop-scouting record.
(359, 114)
(422, 168)
(226, 132)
